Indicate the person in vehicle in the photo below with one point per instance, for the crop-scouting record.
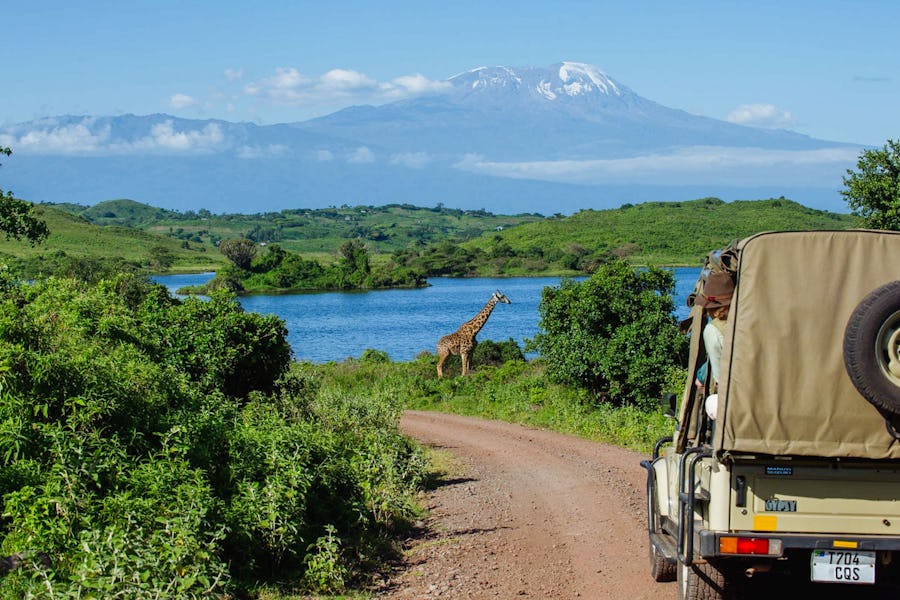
(716, 300)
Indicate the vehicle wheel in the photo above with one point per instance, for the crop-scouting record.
(703, 581)
(872, 348)
(661, 569)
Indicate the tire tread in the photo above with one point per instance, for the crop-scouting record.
(859, 343)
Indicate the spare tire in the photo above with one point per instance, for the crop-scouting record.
(872, 348)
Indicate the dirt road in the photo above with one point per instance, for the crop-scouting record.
(534, 514)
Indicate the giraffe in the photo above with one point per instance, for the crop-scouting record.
(462, 341)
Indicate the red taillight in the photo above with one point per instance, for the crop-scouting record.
(742, 545)
(753, 546)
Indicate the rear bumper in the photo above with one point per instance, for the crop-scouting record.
(709, 542)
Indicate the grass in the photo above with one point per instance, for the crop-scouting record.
(77, 237)
(666, 233)
(517, 392)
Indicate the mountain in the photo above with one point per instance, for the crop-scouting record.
(568, 111)
(509, 140)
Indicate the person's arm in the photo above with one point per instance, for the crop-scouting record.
(713, 340)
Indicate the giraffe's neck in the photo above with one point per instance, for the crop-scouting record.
(474, 325)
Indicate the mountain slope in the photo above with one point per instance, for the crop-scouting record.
(509, 140)
(569, 110)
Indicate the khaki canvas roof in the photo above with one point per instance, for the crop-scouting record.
(785, 390)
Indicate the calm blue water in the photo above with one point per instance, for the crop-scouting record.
(336, 325)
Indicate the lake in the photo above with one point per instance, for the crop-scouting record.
(332, 326)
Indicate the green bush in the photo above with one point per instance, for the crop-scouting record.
(612, 334)
(489, 352)
(151, 448)
(279, 269)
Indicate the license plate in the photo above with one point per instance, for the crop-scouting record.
(843, 566)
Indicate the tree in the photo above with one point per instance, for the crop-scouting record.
(161, 257)
(241, 252)
(354, 263)
(873, 191)
(17, 219)
(613, 334)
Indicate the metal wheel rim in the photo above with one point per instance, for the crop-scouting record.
(887, 348)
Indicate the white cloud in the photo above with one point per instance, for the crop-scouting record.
(324, 155)
(413, 160)
(697, 165)
(286, 79)
(339, 87)
(164, 136)
(342, 80)
(234, 74)
(284, 86)
(411, 85)
(361, 155)
(270, 151)
(761, 115)
(89, 137)
(54, 138)
(179, 101)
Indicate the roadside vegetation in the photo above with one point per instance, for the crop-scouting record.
(156, 448)
(513, 390)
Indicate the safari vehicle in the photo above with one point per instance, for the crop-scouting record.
(799, 473)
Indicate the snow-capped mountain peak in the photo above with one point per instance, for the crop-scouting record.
(488, 77)
(566, 79)
(581, 78)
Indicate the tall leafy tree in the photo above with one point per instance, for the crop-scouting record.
(241, 252)
(873, 190)
(354, 263)
(17, 218)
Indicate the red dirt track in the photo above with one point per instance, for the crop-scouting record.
(533, 514)
(536, 514)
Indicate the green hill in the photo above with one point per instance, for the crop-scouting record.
(436, 241)
(74, 237)
(308, 231)
(127, 213)
(661, 233)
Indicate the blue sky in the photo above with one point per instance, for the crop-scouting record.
(825, 68)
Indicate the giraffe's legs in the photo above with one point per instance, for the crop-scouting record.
(464, 357)
(442, 356)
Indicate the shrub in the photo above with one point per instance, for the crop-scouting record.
(157, 448)
(612, 334)
(489, 352)
(324, 571)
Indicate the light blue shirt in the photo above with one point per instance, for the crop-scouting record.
(714, 340)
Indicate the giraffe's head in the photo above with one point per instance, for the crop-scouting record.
(499, 297)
